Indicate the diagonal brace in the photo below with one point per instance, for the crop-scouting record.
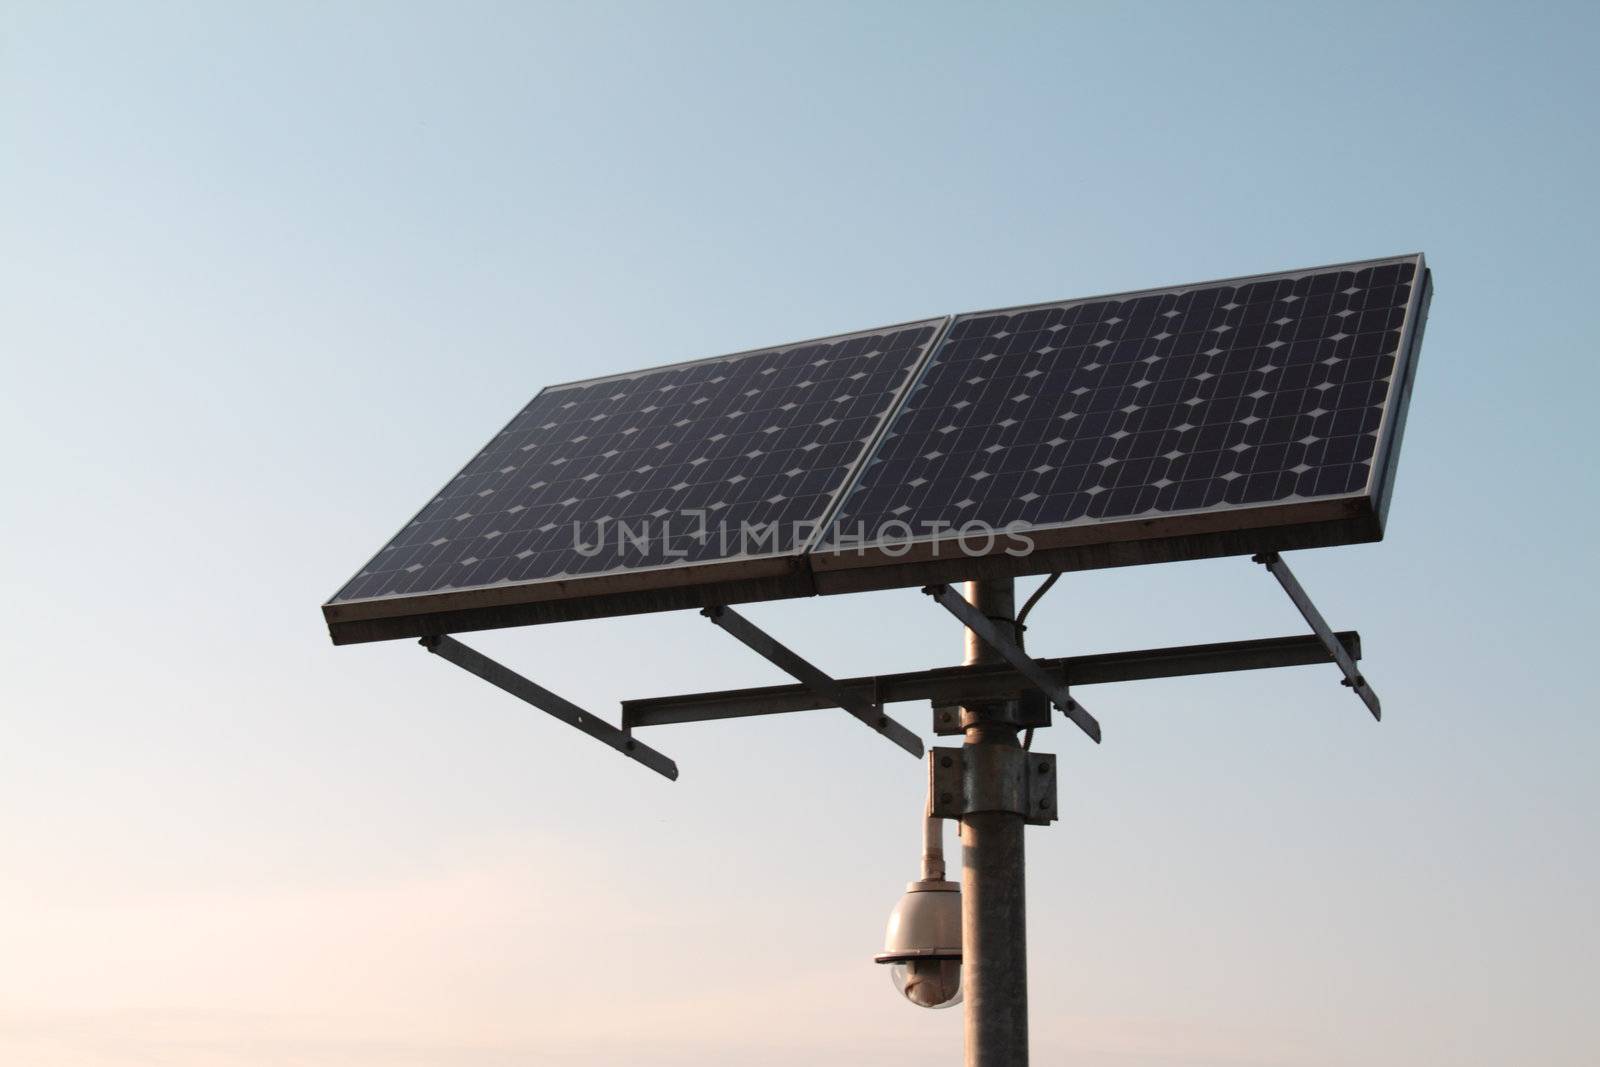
(497, 674)
(1352, 677)
(767, 646)
(1041, 677)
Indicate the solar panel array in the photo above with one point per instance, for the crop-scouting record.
(654, 469)
(1073, 416)
(1229, 395)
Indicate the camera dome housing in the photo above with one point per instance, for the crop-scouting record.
(922, 944)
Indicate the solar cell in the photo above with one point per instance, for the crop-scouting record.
(720, 470)
(1268, 402)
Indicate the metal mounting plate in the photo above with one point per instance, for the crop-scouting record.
(974, 778)
(1029, 710)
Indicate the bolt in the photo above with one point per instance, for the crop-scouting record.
(1044, 805)
(946, 761)
(946, 798)
(1044, 768)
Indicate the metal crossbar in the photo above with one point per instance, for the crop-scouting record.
(970, 684)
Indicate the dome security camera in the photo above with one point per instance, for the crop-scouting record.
(923, 944)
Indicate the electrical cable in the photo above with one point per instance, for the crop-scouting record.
(1027, 606)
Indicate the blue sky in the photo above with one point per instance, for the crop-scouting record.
(272, 272)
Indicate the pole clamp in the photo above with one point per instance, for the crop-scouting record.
(974, 778)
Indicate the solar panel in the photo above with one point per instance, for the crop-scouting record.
(692, 484)
(1245, 415)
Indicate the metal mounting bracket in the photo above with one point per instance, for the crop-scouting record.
(1031, 709)
(984, 627)
(974, 778)
(503, 677)
(1352, 677)
(768, 647)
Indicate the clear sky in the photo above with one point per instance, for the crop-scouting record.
(269, 273)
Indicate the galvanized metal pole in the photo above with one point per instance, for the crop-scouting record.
(932, 848)
(994, 930)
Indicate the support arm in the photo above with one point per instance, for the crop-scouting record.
(1352, 677)
(503, 677)
(768, 647)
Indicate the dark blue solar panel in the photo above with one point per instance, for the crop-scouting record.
(1226, 395)
(669, 466)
